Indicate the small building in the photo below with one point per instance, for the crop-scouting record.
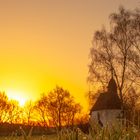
(107, 108)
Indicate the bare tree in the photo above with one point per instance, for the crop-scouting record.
(72, 109)
(14, 112)
(41, 106)
(28, 111)
(132, 99)
(58, 107)
(4, 107)
(115, 52)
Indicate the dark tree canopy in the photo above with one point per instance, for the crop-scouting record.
(116, 52)
(58, 107)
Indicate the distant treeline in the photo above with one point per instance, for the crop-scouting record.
(56, 108)
(7, 129)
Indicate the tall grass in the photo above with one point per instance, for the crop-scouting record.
(96, 132)
(113, 132)
(109, 132)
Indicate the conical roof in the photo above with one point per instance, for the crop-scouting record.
(109, 99)
(112, 86)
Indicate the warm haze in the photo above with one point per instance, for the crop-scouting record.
(44, 43)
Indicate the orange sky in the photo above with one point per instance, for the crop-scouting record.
(44, 43)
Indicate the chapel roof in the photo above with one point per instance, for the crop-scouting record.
(109, 99)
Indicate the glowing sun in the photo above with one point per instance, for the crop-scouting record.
(18, 96)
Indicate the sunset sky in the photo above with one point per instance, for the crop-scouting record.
(44, 43)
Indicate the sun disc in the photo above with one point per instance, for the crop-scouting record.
(19, 96)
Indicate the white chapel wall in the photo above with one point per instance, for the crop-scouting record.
(106, 116)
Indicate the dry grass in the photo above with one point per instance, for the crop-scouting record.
(114, 132)
(49, 137)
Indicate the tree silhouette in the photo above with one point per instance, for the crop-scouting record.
(14, 112)
(41, 106)
(4, 107)
(58, 108)
(28, 112)
(117, 52)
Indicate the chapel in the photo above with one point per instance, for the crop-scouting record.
(107, 108)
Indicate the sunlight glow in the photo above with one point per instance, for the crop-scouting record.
(18, 96)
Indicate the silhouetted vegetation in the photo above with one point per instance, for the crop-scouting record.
(116, 52)
(58, 108)
(55, 109)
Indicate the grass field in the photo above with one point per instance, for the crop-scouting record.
(49, 137)
(96, 132)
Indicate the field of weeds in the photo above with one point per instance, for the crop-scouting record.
(114, 132)
(49, 137)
